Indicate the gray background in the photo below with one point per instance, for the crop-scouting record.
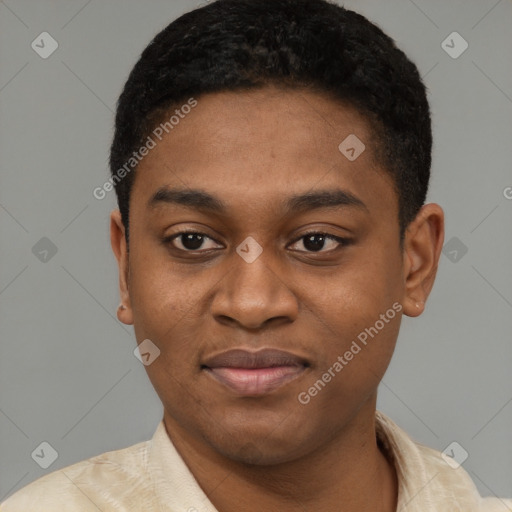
(68, 373)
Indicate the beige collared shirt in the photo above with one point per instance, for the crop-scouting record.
(151, 476)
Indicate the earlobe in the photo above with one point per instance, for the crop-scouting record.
(124, 314)
(422, 248)
(119, 247)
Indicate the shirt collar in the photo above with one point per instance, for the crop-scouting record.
(175, 485)
(414, 494)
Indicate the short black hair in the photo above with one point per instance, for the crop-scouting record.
(237, 45)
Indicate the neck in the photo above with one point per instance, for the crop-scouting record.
(348, 472)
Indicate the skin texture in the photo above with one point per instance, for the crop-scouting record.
(253, 150)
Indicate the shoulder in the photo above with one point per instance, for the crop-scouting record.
(430, 480)
(451, 483)
(87, 485)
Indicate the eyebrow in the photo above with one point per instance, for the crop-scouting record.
(203, 201)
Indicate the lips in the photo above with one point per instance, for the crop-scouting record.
(255, 373)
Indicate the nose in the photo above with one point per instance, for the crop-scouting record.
(253, 295)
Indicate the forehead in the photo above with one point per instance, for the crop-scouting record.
(289, 123)
(262, 143)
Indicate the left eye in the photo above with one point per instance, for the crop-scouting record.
(312, 242)
(315, 242)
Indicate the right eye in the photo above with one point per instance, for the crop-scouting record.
(189, 241)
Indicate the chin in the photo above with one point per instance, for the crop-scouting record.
(257, 454)
(262, 446)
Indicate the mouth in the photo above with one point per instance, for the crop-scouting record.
(255, 373)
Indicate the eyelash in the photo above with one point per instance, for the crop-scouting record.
(342, 241)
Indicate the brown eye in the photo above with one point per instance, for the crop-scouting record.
(190, 241)
(316, 242)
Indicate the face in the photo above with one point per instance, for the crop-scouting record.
(251, 231)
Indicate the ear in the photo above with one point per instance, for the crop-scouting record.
(423, 243)
(118, 242)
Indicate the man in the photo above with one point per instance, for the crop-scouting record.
(271, 161)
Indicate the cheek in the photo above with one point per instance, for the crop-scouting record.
(359, 312)
(355, 355)
(159, 294)
(168, 308)
(355, 296)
